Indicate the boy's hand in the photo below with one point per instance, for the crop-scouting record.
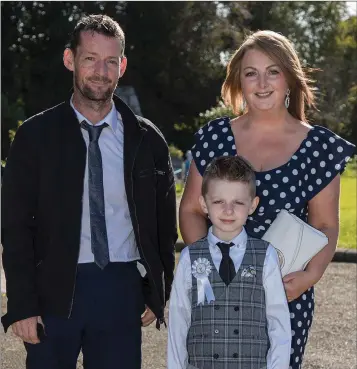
(147, 318)
(26, 329)
(297, 283)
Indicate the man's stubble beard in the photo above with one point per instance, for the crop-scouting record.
(99, 97)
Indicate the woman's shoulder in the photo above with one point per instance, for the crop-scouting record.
(321, 157)
(215, 125)
(212, 140)
(327, 142)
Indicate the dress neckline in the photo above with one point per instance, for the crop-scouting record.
(280, 167)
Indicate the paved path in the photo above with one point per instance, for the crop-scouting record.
(332, 344)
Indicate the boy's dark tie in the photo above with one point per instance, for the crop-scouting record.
(226, 269)
(99, 237)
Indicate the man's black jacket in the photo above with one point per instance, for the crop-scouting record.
(42, 205)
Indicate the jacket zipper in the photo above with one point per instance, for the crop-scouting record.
(74, 288)
(75, 279)
(160, 319)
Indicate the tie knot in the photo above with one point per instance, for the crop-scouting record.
(224, 247)
(93, 131)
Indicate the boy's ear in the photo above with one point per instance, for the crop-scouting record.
(203, 204)
(254, 205)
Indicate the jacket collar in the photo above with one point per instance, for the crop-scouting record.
(132, 126)
(111, 118)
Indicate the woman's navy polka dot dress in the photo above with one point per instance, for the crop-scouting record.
(321, 156)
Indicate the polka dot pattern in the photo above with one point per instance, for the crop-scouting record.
(321, 156)
(300, 319)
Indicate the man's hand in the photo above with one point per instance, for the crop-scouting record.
(147, 318)
(26, 329)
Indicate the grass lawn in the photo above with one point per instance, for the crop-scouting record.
(348, 231)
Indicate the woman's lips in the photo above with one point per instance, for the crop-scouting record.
(263, 95)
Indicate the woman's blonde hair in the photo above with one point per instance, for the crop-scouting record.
(279, 49)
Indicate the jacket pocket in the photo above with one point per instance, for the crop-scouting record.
(147, 173)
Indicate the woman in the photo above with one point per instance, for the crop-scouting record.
(297, 165)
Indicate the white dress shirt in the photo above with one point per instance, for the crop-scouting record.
(277, 311)
(121, 239)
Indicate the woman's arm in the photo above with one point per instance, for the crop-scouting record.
(323, 215)
(193, 221)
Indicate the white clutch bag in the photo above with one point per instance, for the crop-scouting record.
(295, 241)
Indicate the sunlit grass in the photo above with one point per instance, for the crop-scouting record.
(348, 231)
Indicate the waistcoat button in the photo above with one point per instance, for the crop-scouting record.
(216, 331)
(215, 356)
(216, 307)
(235, 355)
(236, 331)
(236, 308)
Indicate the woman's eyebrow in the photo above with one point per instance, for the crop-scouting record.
(273, 65)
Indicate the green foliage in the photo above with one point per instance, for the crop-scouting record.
(337, 94)
(184, 132)
(176, 56)
(347, 236)
(175, 152)
(179, 188)
(351, 169)
(12, 132)
(12, 115)
(220, 110)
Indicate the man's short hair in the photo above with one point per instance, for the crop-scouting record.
(98, 23)
(229, 168)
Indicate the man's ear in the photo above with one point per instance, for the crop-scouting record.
(254, 205)
(203, 204)
(123, 64)
(68, 59)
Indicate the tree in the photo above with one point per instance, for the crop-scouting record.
(173, 52)
(176, 56)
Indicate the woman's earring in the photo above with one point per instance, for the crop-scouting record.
(287, 99)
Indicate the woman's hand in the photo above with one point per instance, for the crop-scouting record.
(297, 283)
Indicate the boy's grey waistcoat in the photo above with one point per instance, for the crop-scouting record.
(230, 332)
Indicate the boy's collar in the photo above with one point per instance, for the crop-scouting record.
(239, 239)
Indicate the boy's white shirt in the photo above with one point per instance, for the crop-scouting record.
(277, 311)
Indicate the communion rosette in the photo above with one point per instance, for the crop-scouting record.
(201, 269)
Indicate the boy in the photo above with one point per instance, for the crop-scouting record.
(228, 307)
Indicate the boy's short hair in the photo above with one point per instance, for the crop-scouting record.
(229, 168)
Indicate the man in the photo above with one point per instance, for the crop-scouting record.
(88, 217)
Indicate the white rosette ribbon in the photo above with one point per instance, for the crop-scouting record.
(201, 268)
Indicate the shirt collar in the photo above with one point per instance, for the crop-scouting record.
(111, 118)
(239, 240)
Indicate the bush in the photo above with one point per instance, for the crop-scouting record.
(220, 110)
(184, 132)
(175, 152)
(351, 168)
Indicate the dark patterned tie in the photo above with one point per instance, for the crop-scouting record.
(226, 269)
(99, 237)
